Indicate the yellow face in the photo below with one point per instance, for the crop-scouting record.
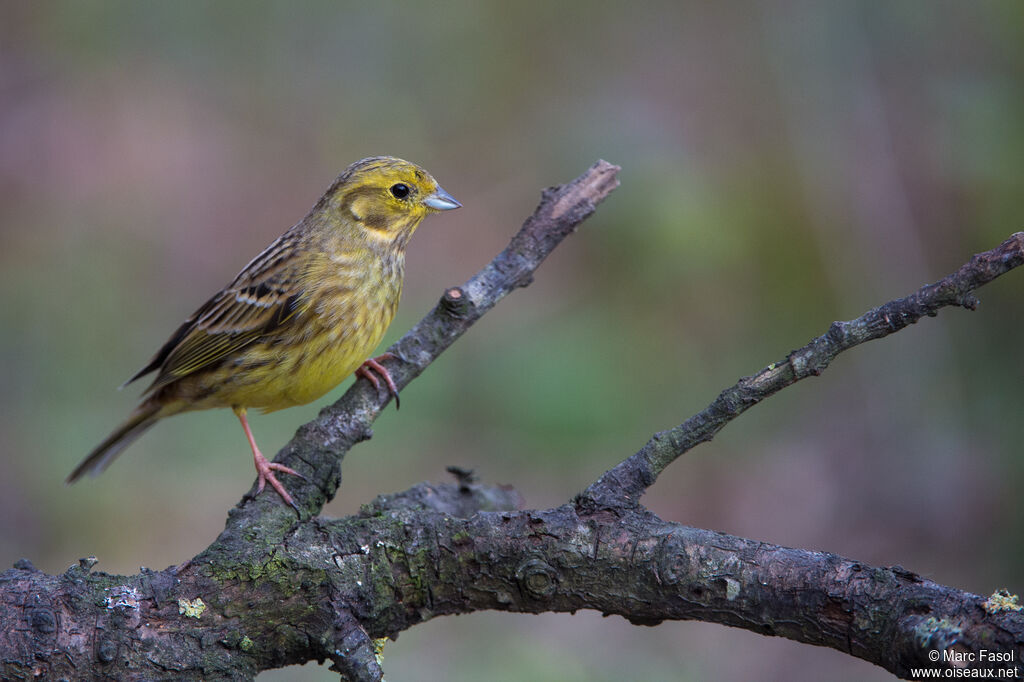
(388, 196)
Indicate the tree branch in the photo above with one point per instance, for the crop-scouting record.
(274, 590)
(633, 476)
(647, 570)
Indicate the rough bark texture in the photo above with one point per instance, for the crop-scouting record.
(275, 589)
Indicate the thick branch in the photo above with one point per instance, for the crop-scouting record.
(332, 586)
(647, 570)
(222, 617)
(629, 480)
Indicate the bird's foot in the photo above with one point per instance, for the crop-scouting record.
(265, 474)
(372, 365)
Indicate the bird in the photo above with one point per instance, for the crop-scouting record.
(300, 317)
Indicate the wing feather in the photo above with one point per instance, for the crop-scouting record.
(264, 298)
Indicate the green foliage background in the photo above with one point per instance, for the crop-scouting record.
(785, 164)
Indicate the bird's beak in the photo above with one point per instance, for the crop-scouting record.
(440, 201)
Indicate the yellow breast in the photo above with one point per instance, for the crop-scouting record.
(341, 345)
(342, 321)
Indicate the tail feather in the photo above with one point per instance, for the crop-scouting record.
(144, 416)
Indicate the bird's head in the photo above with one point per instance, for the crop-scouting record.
(387, 197)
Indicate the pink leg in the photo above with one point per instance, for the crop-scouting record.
(265, 468)
(372, 365)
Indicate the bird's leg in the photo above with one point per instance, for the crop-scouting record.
(265, 468)
(372, 365)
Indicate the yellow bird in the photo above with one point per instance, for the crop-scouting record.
(299, 318)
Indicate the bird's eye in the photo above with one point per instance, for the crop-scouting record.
(400, 190)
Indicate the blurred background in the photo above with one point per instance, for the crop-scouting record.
(784, 165)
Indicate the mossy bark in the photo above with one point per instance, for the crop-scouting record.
(327, 588)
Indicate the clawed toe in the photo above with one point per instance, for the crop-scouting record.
(372, 367)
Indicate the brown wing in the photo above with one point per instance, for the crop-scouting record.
(266, 295)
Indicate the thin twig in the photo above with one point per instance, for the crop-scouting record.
(629, 480)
